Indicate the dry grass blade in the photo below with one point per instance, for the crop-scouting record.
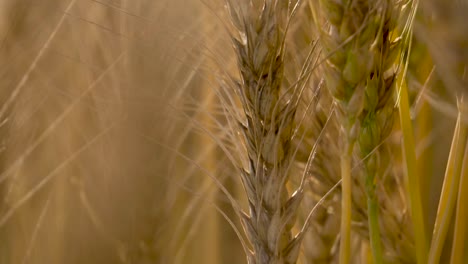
(461, 218)
(450, 187)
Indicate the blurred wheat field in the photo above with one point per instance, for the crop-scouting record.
(118, 137)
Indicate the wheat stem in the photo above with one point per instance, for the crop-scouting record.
(346, 186)
(375, 239)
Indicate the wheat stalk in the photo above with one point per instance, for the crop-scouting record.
(346, 74)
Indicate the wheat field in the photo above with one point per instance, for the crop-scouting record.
(233, 131)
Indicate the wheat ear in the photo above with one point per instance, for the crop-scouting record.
(360, 76)
(267, 131)
(376, 119)
(345, 75)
